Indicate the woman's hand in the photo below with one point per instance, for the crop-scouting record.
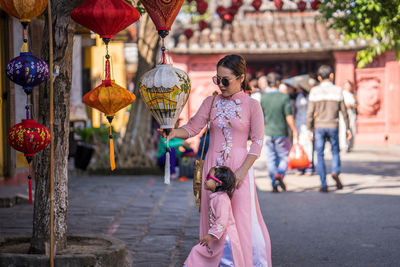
(240, 175)
(206, 239)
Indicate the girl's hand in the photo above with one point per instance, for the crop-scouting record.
(171, 135)
(240, 175)
(206, 239)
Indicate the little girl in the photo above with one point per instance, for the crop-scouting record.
(221, 246)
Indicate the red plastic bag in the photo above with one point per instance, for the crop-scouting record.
(298, 158)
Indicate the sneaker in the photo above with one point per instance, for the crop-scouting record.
(279, 178)
(323, 189)
(337, 180)
(275, 189)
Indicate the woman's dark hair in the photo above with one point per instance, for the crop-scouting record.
(228, 178)
(238, 66)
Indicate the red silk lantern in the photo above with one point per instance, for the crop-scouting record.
(301, 5)
(163, 13)
(202, 25)
(278, 4)
(202, 7)
(315, 4)
(221, 11)
(105, 17)
(237, 3)
(256, 4)
(233, 10)
(188, 33)
(29, 137)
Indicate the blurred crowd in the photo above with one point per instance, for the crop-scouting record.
(298, 88)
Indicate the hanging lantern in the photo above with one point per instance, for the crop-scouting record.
(165, 90)
(278, 4)
(256, 4)
(163, 13)
(301, 5)
(202, 25)
(24, 10)
(315, 4)
(237, 3)
(202, 7)
(29, 137)
(221, 11)
(105, 17)
(188, 33)
(233, 10)
(109, 98)
(27, 71)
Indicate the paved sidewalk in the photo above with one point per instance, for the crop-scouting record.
(356, 226)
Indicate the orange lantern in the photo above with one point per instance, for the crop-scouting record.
(24, 10)
(109, 98)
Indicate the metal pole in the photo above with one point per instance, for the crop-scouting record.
(51, 135)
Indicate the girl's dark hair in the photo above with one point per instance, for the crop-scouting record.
(238, 66)
(228, 178)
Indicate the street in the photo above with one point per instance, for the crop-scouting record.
(356, 226)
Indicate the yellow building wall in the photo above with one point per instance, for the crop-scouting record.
(118, 73)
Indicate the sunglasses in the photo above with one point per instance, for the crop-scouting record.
(225, 81)
(209, 176)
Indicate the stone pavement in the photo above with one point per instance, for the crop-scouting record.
(356, 226)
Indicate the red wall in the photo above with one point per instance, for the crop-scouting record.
(378, 96)
(377, 86)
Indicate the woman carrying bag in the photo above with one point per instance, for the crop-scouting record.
(233, 117)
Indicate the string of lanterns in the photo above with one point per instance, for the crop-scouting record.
(227, 14)
(107, 18)
(165, 89)
(28, 71)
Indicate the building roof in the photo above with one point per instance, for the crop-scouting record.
(265, 32)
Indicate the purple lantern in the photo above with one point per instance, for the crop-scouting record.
(27, 71)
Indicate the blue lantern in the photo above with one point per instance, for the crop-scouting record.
(27, 71)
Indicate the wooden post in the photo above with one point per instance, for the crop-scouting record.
(51, 135)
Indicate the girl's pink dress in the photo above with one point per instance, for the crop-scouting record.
(233, 121)
(222, 226)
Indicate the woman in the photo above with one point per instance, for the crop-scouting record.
(300, 122)
(351, 105)
(234, 117)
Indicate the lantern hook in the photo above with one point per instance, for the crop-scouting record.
(29, 159)
(163, 33)
(106, 40)
(110, 118)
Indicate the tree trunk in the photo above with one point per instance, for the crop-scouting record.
(138, 147)
(62, 45)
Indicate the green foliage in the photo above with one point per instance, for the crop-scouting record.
(190, 9)
(138, 6)
(89, 134)
(376, 21)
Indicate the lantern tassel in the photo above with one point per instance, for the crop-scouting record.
(112, 157)
(107, 78)
(30, 186)
(167, 173)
